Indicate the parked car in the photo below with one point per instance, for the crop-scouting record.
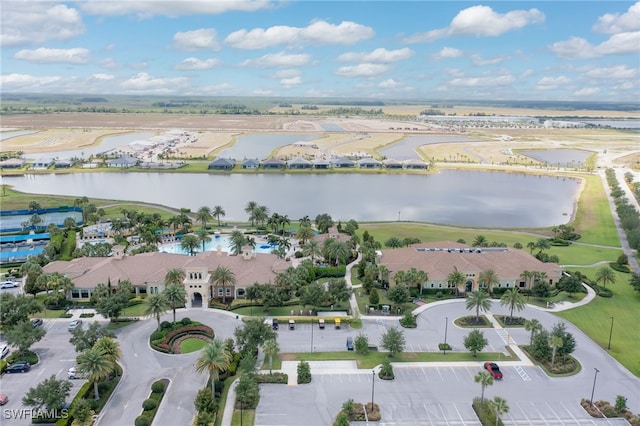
(36, 322)
(349, 343)
(18, 367)
(292, 324)
(493, 369)
(321, 324)
(74, 373)
(9, 284)
(274, 324)
(74, 324)
(4, 398)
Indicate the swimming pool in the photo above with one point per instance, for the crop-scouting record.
(223, 242)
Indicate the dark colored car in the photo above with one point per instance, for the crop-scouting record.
(493, 369)
(18, 367)
(275, 324)
(37, 322)
(349, 343)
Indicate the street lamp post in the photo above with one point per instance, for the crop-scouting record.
(610, 333)
(446, 323)
(373, 381)
(594, 386)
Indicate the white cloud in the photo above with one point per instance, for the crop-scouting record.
(380, 55)
(170, 8)
(615, 72)
(587, 91)
(486, 81)
(17, 82)
(280, 59)
(198, 64)
(388, 84)
(102, 76)
(478, 61)
(30, 22)
(148, 84)
(527, 73)
(362, 70)
(49, 56)
(614, 23)
(262, 92)
(447, 53)
(579, 48)
(481, 21)
(318, 32)
(289, 82)
(550, 83)
(289, 73)
(202, 39)
(216, 89)
(109, 63)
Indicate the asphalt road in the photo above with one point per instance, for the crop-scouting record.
(420, 394)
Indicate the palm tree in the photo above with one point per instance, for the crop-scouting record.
(480, 241)
(284, 220)
(304, 234)
(236, 241)
(97, 364)
(217, 212)
(111, 348)
(156, 305)
(543, 244)
(305, 221)
(189, 243)
(174, 276)
(270, 349)
(605, 275)
(478, 300)
(175, 294)
(485, 379)
(456, 278)
(336, 249)
(489, 278)
(249, 209)
(260, 214)
(223, 277)
(500, 406)
(204, 237)
(214, 359)
(312, 248)
(514, 300)
(531, 245)
(527, 277)
(532, 325)
(555, 342)
(204, 215)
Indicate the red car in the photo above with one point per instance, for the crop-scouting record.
(3, 398)
(493, 369)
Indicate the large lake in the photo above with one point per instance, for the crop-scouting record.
(465, 198)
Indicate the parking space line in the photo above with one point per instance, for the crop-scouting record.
(539, 413)
(554, 412)
(570, 414)
(424, 373)
(440, 374)
(524, 413)
(444, 415)
(454, 373)
(458, 412)
(523, 374)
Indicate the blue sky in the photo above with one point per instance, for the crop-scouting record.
(545, 50)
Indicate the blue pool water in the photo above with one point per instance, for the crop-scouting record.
(223, 242)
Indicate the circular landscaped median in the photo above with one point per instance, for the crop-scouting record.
(181, 337)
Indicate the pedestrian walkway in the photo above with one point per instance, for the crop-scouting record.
(509, 341)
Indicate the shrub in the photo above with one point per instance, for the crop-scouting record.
(157, 387)
(142, 420)
(186, 321)
(362, 344)
(157, 335)
(149, 404)
(386, 371)
(409, 320)
(304, 372)
(166, 325)
(485, 412)
(3, 365)
(279, 378)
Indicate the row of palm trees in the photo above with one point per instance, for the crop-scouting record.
(480, 300)
(100, 361)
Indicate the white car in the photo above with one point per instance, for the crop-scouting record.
(74, 324)
(4, 351)
(9, 284)
(73, 373)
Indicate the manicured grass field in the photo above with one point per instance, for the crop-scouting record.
(191, 345)
(248, 417)
(595, 320)
(375, 358)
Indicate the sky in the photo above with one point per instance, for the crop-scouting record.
(491, 50)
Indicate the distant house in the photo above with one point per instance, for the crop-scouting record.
(123, 162)
(369, 163)
(392, 164)
(321, 164)
(250, 164)
(222, 164)
(415, 164)
(343, 163)
(12, 163)
(299, 163)
(273, 163)
(41, 164)
(63, 164)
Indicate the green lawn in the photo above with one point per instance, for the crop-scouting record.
(134, 311)
(374, 358)
(248, 417)
(191, 345)
(595, 320)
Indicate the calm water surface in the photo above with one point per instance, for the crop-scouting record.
(260, 145)
(559, 157)
(406, 148)
(466, 198)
